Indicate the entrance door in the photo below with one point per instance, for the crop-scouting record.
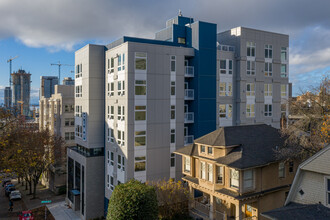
(232, 210)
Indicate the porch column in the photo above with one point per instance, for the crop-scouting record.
(212, 208)
(191, 192)
(238, 214)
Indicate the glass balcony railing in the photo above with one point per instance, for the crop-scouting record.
(188, 140)
(189, 94)
(189, 71)
(189, 117)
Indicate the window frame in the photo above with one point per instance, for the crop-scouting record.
(250, 68)
(250, 49)
(268, 111)
(231, 179)
(221, 169)
(268, 51)
(141, 56)
(281, 169)
(250, 113)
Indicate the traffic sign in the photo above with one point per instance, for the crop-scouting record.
(46, 201)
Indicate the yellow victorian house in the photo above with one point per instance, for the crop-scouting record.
(233, 172)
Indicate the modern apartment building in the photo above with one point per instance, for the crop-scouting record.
(47, 84)
(138, 100)
(57, 114)
(7, 97)
(68, 81)
(233, 172)
(21, 86)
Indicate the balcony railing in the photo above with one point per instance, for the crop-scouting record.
(219, 215)
(189, 94)
(201, 206)
(189, 117)
(189, 71)
(188, 139)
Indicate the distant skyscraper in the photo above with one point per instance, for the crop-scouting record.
(21, 86)
(7, 97)
(47, 84)
(68, 81)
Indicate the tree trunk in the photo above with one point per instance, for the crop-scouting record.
(35, 183)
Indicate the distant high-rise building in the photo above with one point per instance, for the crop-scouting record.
(7, 97)
(68, 81)
(21, 86)
(47, 84)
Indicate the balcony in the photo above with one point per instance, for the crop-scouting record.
(189, 71)
(189, 139)
(188, 117)
(188, 94)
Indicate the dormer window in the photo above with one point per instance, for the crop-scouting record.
(202, 149)
(210, 150)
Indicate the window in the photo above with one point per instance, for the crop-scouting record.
(230, 68)
(172, 111)
(210, 172)
(229, 89)
(172, 160)
(119, 62)
(121, 87)
(110, 135)
(121, 162)
(248, 179)
(111, 183)
(79, 91)
(328, 191)
(79, 70)
(140, 138)
(181, 40)
(250, 67)
(268, 89)
(172, 63)
(209, 150)
(268, 69)
(112, 156)
(223, 68)
(121, 137)
(268, 51)
(108, 157)
(203, 171)
(250, 89)
(234, 178)
(187, 164)
(69, 108)
(140, 61)
(172, 136)
(140, 113)
(140, 87)
(112, 65)
(121, 113)
(67, 136)
(67, 122)
(283, 91)
(202, 149)
(72, 135)
(108, 181)
(250, 49)
(249, 110)
(222, 89)
(283, 54)
(281, 170)
(291, 167)
(111, 89)
(283, 70)
(268, 110)
(112, 112)
(172, 87)
(225, 111)
(220, 174)
(140, 164)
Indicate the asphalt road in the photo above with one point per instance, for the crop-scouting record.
(4, 206)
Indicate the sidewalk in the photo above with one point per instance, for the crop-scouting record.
(61, 211)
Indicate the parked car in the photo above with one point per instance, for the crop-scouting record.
(5, 181)
(26, 215)
(8, 183)
(15, 195)
(9, 190)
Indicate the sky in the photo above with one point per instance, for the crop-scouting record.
(42, 32)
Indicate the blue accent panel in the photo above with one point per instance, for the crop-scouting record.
(182, 21)
(150, 41)
(106, 204)
(178, 31)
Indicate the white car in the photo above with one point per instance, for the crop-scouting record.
(15, 195)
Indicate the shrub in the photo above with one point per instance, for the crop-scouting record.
(133, 200)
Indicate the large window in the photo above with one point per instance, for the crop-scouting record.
(112, 112)
(268, 88)
(268, 110)
(172, 160)
(187, 164)
(121, 162)
(140, 61)
(121, 113)
(79, 91)
(202, 149)
(172, 136)
(210, 172)
(172, 111)
(121, 87)
(281, 170)
(283, 54)
(250, 110)
(140, 87)
(121, 62)
(140, 138)
(222, 89)
(250, 49)
(223, 69)
(268, 51)
(283, 90)
(112, 65)
(121, 137)
(234, 178)
(140, 113)
(250, 67)
(248, 179)
(140, 164)
(203, 170)
(250, 91)
(283, 71)
(172, 87)
(79, 70)
(172, 63)
(328, 191)
(268, 69)
(220, 174)
(225, 89)
(225, 111)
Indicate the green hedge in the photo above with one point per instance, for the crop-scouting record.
(133, 200)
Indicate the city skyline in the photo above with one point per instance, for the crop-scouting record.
(47, 38)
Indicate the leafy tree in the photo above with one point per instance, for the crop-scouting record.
(173, 199)
(133, 200)
(311, 130)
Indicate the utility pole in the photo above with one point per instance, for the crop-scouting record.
(59, 69)
(10, 61)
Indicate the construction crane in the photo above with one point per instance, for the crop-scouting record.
(59, 69)
(34, 111)
(21, 102)
(10, 61)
